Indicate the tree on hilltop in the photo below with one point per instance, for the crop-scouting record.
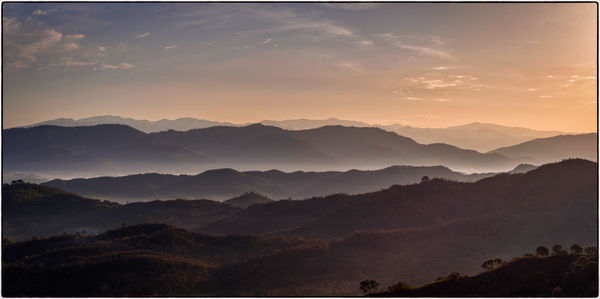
(542, 251)
(368, 286)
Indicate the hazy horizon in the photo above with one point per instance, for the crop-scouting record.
(417, 64)
(458, 124)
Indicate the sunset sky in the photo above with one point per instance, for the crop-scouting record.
(419, 64)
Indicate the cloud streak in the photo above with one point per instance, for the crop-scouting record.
(428, 51)
(43, 12)
(120, 66)
(142, 35)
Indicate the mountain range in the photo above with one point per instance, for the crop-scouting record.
(322, 245)
(481, 137)
(219, 184)
(546, 150)
(112, 149)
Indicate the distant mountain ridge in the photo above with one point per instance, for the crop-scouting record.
(179, 124)
(226, 183)
(477, 136)
(482, 137)
(114, 148)
(545, 150)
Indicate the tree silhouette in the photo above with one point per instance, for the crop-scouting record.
(590, 250)
(424, 179)
(368, 286)
(541, 251)
(488, 265)
(576, 249)
(400, 286)
(557, 249)
(453, 276)
(491, 264)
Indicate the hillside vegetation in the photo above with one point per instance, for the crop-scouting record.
(562, 274)
(33, 210)
(322, 245)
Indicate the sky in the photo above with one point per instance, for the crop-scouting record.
(420, 64)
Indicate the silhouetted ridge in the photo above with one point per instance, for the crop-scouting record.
(540, 192)
(551, 149)
(275, 184)
(247, 199)
(478, 136)
(116, 148)
(26, 206)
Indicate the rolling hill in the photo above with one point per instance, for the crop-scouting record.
(411, 233)
(545, 150)
(538, 196)
(559, 275)
(222, 184)
(33, 210)
(247, 199)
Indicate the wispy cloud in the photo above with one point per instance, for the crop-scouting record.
(71, 37)
(120, 66)
(10, 25)
(425, 50)
(266, 41)
(169, 47)
(351, 65)
(70, 41)
(442, 68)
(101, 51)
(70, 46)
(412, 98)
(43, 12)
(271, 21)
(21, 51)
(142, 35)
(446, 82)
(428, 45)
(24, 45)
(66, 63)
(576, 78)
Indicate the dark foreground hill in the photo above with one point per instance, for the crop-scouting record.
(142, 260)
(70, 151)
(161, 260)
(411, 233)
(222, 184)
(559, 275)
